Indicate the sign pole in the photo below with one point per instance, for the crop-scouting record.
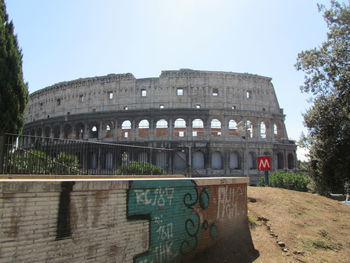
(267, 178)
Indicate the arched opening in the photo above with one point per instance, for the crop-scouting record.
(249, 128)
(94, 131)
(143, 128)
(126, 129)
(92, 164)
(143, 157)
(56, 132)
(39, 132)
(79, 131)
(109, 161)
(197, 128)
(215, 127)
(280, 161)
(108, 129)
(262, 130)
(67, 132)
(180, 162)
(180, 128)
(162, 128)
(232, 128)
(216, 160)
(291, 161)
(161, 160)
(235, 162)
(251, 160)
(47, 132)
(198, 160)
(275, 130)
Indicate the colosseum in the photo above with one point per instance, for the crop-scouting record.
(219, 122)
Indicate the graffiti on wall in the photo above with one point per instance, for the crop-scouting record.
(184, 217)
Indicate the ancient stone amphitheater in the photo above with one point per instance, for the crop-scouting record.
(219, 122)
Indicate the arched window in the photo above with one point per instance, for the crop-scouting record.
(198, 160)
(216, 160)
(249, 127)
(197, 123)
(79, 131)
(108, 130)
(263, 130)
(197, 128)
(94, 131)
(161, 128)
(126, 125)
(215, 124)
(232, 125)
(234, 161)
(180, 128)
(275, 130)
(161, 124)
(143, 128)
(180, 123)
(144, 124)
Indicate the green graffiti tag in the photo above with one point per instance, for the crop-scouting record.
(174, 224)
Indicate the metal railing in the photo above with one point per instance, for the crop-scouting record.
(24, 154)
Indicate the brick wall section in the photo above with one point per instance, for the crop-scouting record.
(117, 220)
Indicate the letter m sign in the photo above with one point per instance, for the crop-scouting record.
(264, 163)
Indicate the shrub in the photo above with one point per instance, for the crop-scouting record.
(37, 162)
(292, 181)
(137, 168)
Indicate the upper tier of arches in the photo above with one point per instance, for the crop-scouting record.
(182, 89)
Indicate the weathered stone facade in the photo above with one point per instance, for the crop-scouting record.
(219, 121)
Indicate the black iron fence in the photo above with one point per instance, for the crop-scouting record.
(23, 154)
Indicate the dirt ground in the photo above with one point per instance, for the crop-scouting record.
(310, 228)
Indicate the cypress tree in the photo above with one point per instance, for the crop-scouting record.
(13, 90)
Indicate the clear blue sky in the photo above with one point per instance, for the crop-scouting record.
(63, 40)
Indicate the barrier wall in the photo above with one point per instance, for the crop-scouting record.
(145, 220)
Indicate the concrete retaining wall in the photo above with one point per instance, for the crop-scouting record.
(154, 220)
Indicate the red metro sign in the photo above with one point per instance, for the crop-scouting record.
(264, 163)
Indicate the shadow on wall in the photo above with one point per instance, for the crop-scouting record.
(234, 248)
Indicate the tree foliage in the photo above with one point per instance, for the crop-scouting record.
(13, 91)
(327, 78)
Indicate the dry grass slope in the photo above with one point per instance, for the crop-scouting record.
(290, 226)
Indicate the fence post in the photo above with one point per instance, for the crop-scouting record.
(2, 146)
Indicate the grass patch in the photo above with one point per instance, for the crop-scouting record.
(323, 233)
(311, 245)
(252, 221)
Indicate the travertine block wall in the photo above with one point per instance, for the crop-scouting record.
(155, 220)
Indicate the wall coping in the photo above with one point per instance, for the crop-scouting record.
(199, 180)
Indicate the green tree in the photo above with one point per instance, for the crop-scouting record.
(327, 78)
(13, 91)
